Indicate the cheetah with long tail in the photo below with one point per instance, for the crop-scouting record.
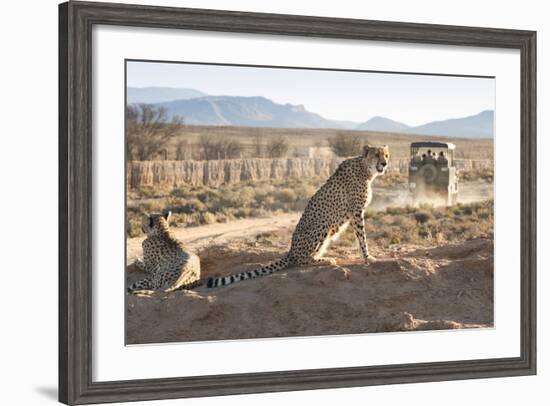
(340, 202)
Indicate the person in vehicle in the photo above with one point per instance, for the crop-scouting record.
(442, 159)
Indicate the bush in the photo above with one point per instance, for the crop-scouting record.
(208, 218)
(277, 147)
(247, 196)
(305, 191)
(133, 228)
(423, 217)
(208, 196)
(345, 145)
(395, 239)
(190, 206)
(152, 206)
(286, 195)
(239, 198)
(216, 147)
(179, 192)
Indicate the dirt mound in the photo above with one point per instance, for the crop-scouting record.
(409, 288)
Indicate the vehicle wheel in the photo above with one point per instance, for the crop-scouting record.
(428, 173)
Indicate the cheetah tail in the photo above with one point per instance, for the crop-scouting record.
(190, 286)
(265, 270)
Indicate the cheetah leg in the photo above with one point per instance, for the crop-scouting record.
(359, 228)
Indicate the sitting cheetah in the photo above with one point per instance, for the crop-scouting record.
(339, 202)
(167, 264)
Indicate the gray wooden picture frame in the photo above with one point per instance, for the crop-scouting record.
(76, 20)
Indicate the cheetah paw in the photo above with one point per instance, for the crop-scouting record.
(329, 261)
(324, 261)
(370, 260)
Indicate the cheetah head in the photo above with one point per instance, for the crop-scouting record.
(376, 158)
(154, 224)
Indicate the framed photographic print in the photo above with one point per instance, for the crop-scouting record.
(259, 202)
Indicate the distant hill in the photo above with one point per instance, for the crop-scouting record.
(150, 95)
(383, 124)
(247, 112)
(476, 126)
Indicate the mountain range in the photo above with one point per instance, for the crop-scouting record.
(245, 112)
(200, 109)
(476, 126)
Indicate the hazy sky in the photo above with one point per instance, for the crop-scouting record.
(356, 96)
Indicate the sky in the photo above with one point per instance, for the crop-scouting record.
(336, 95)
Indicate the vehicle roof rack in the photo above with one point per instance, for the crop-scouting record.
(433, 144)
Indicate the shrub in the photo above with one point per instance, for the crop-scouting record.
(191, 206)
(243, 212)
(305, 191)
(207, 218)
(286, 195)
(423, 217)
(152, 206)
(208, 196)
(180, 192)
(277, 147)
(265, 201)
(344, 145)
(247, 196)
(425, 233)
(395, 238)
(133, 227)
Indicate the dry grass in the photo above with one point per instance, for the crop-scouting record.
(201, 205)
(486, 175)
(426, 225)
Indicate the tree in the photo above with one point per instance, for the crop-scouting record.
(148, 130)
(345, 145)
(215, 147)
(182, 150)
(277, 147)
(257, 143)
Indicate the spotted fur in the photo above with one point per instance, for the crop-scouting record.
(340, 202)
(167, 264)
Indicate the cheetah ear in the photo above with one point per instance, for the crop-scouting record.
(167, 215)
(366, 148)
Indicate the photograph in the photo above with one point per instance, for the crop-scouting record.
(266, 203)
(271, 202)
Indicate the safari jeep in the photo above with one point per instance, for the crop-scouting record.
(433, 177)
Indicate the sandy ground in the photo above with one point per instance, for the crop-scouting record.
(409, 288)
